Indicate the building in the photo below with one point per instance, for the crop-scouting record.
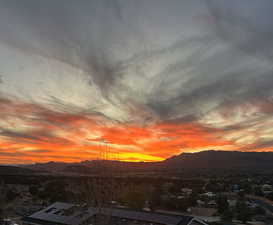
(267, 189)
(202, 211)
(186, 191)
(209, 195)
(69, 214)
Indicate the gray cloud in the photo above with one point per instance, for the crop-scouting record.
(263, 145)
(248, 28)
(185, 72)
(13, 134)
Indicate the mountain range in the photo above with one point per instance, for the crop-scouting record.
(205, 160)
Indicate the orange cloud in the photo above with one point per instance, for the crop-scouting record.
(32, 133)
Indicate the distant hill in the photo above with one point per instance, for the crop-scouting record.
(222, 160)
(14, 170)
(49, 166)
(208, 160)
(95, 167)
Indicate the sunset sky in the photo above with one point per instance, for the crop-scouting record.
(142, 80)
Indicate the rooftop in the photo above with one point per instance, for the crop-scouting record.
(70, 214)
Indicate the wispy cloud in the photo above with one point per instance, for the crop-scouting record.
(150, 82)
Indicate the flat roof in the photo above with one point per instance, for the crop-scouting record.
(70, 214)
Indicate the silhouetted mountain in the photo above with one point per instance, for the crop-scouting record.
(209, 160)
(14, 170)
(49, 166)
(94, 167)
(222, 160)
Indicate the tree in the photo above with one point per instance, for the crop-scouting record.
(227, 215)
(170, 203)
(33, 190)
(98, 192)
(193, 198)
(7, 195)
(259, 211)
(243, 212)
(270, 196)
(11, 195)
(184, 204)
(2, 198)
(174, 189)
(246, 186)
(258, 191)
(222, 204)
(53, 191)
(155, 198)
(241, 194)
(134, 197)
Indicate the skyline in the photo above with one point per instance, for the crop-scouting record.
(145, 79)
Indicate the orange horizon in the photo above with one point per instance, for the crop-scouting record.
(113, 159)
(37, 134)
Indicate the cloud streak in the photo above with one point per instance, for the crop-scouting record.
(153, 78)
